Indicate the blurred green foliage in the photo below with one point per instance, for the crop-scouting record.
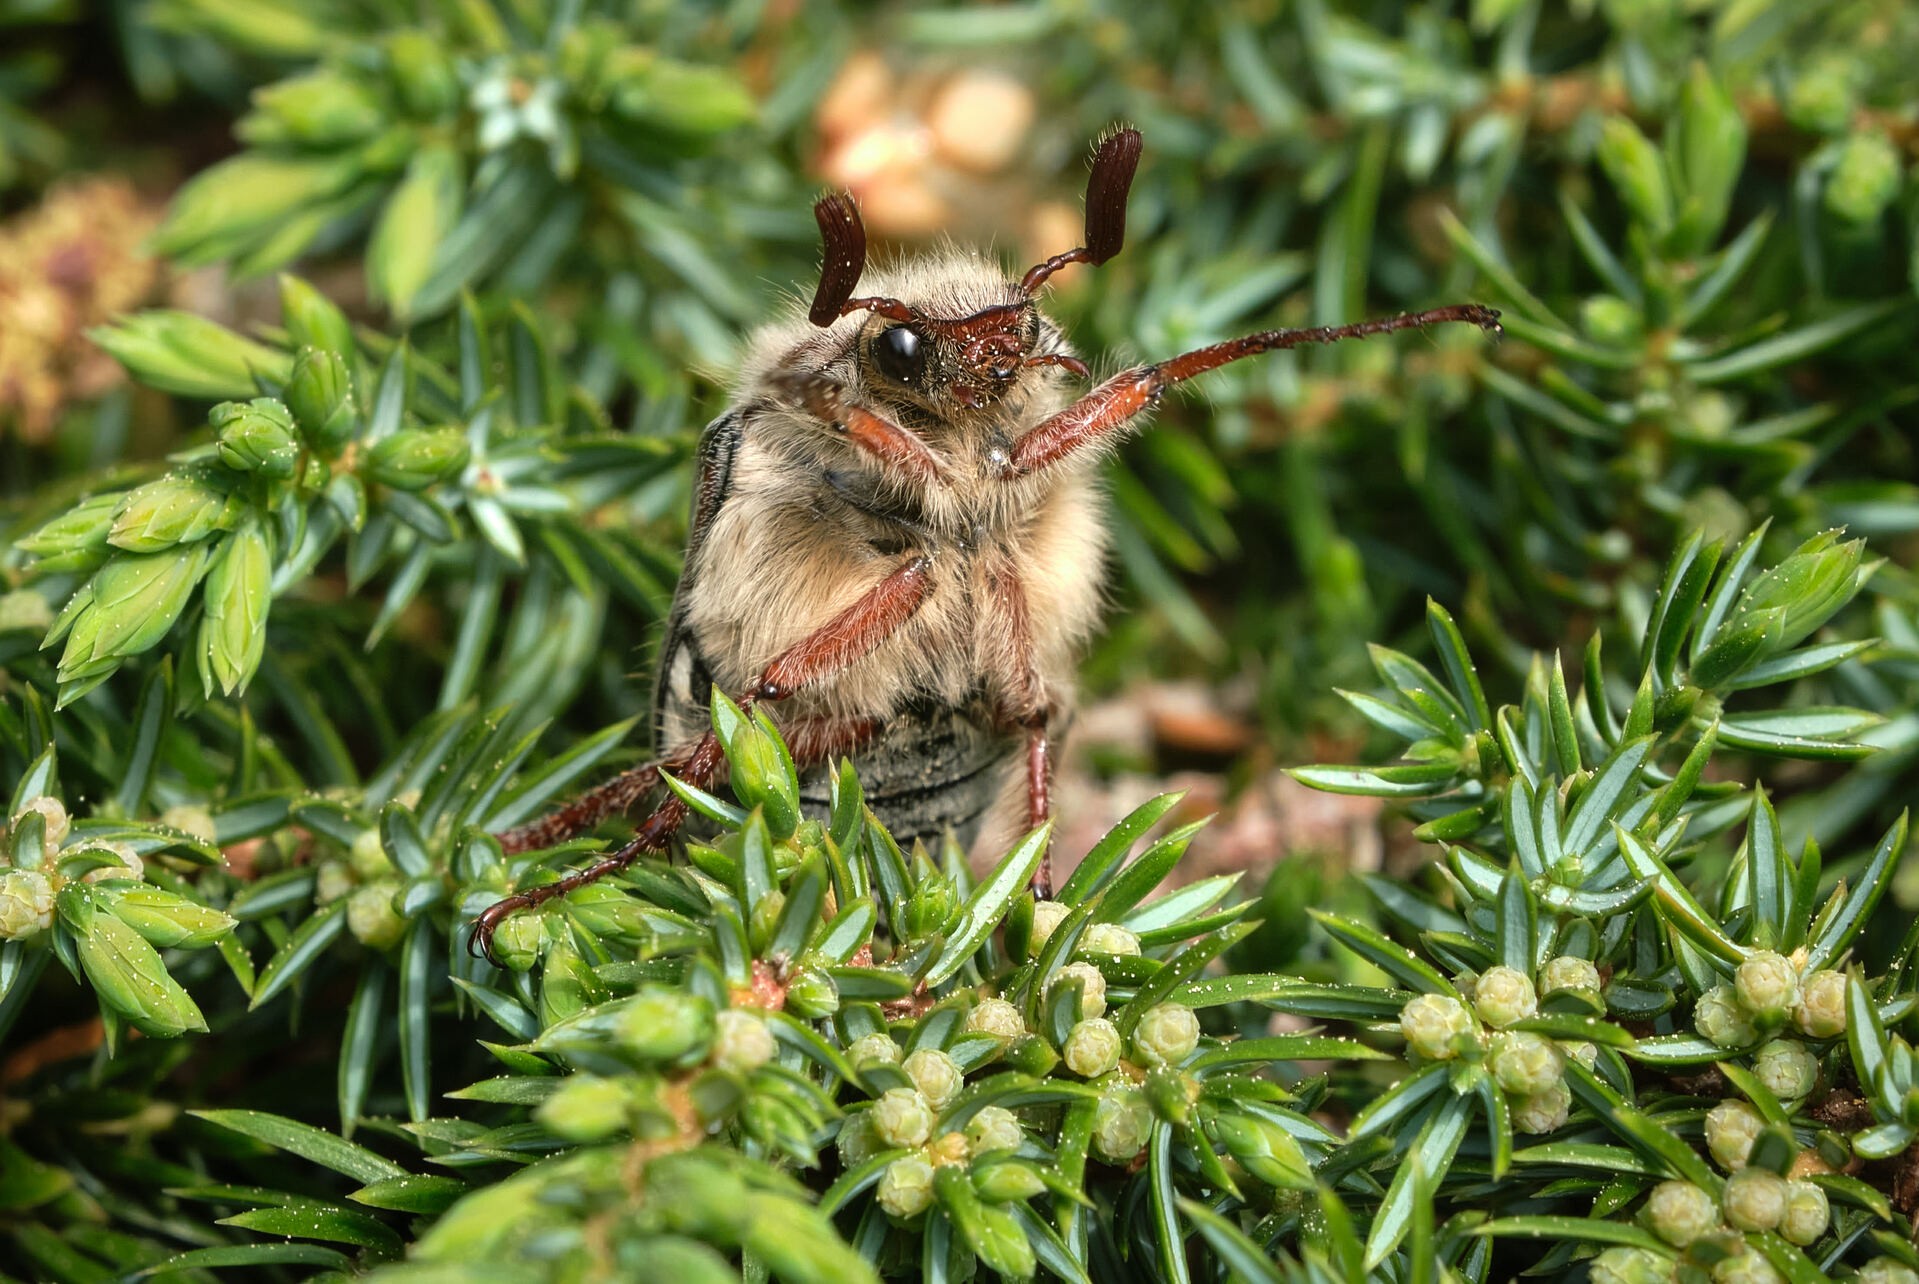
(361, 571)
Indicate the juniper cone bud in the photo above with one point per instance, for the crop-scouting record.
(128, 864)
(26, 904)
(1527, 1064)
(741, 1042)
(1586, 1054)
(664, 1025)
(1436, 1026)
(1679, 1212)
(1092, 1048)
(1263, 1149)
(901, 1117)
(585, 1108)
(1767, 987)
(319, 392)
(1821, 1013)
(610, 913)
(994, 1128)
(51, 811)
(936, 1075)
(1568, 972)
(313, 320)
(1166, 1035)
(1720, 1018)
(1030, 1054)
(1866, 178)
(1120, 1123)
(931, 906)
(1886, 1270)
(179, 508)
(1092, 1002)
(332, 881)
(857, 1141)
(1544, 1112)
(1807, 1213)
(1629, 1266)
(1755, 1199)
(415, 458)
(873, 1049)
(517, 941)
(812, 994)
(948, 1148)
(1047, 915)
(425, 77)
(1787, 1068)
(1731, 1128)
(167, 920)
(761, 777)
(1504, 996)
(371, 918)
(906, 1187)
(996, 1017)
(368, 856)
(257, 438)
(1747, 1266)
(1109, 938)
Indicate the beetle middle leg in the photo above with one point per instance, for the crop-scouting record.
(849, 636)
(1025, 705)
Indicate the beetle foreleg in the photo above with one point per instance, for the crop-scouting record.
(875, 435)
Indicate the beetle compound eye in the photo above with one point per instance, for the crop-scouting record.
(900, 354)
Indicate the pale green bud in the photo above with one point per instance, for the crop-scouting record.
(1092, 1048)
(1109, 938)
(1047, 915)
(1638, 173)
(182, 353)
(906, 1187)
(741, 1042)
(1747, 1266)
(762, 776)
(76, 540)
(518, 940)
(1820, 98)
(857, 1141)
(663, 1025)
(1720, 1018)
(26, 904)
(425, 77)
(901, 1117)
(1755, 1199)
(1264, 1149)
(257, 437)
(812, 994)
(1866, 178)
(319, 392)
(322, 108)
(1767, 987)
(371, 918)
(948, 1148)
(1568, 972)
(1807, 1213)
(238, 595)
(1611, 320)
(134, 600)
(1092, 1000)
(25, 610)
(586, 1108)
(128, 863)
(1504, 996)
(332, 880)
(1526, 1064)
(1166, 1034)
(1886, 1270)
(176, 509)
(996, 1017)
(128, 975)
(313, 320)
(931, 907)
(1121, 1121)
(1787, 1068)
(1731, 1129)
(1821, 1013)
(994, 1128)
(414, 224)
(609, 913)
(1586, 1054)
(1544, 1112)
(191, 818)
(1629, 1266)
(1006, 1182)
(936, 1075)
(874, 1048)
(414, 459)
(368, 855)
(53, 812)
(1437, 1026)
(1679, 1212)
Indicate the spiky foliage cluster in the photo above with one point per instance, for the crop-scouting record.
(298, 619)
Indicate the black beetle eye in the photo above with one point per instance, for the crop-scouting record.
(898, 353)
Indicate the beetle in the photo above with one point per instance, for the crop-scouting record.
(898, 535)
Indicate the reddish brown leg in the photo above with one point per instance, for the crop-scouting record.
(1113, 404)
(1024, 703)
(881, 438)
(1039, 800)
(847, 637)
(590, 808)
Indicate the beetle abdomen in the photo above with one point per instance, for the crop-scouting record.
(932, 769)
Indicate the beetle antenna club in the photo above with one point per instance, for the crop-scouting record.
(919, 466)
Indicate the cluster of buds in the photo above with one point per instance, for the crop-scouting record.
(1771, 994)
(1753, 1199)
(1529, 1068)
(38, 860)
